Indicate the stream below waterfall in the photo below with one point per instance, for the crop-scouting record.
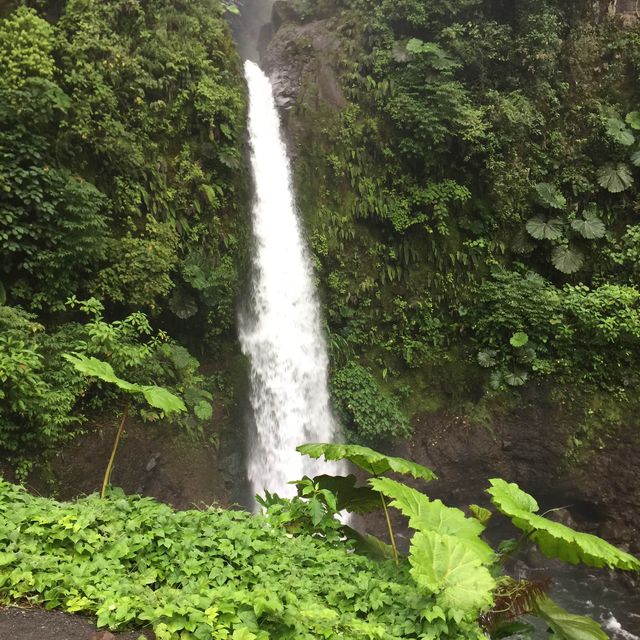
(597, 593)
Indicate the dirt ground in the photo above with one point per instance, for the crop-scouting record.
(36, 624)
(154, 459)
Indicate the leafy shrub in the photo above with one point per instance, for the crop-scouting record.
(140, 267)
(37, 393)
(43, 396)
(448, 555)
(510, 304)
(206, 574)
(26, 47)
(53, 224)
(369, 413)
(576, 333)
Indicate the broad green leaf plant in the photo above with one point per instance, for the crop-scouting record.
(373, 463)
(448, 556)
(157, 397)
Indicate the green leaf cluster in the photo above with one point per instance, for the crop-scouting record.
(461, 142)
(120, 158)
(447, 554)
(217, 574)
(369, 413)
(554, 539)
(44, 397)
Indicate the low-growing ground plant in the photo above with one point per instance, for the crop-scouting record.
(204, 575)
(296, 572)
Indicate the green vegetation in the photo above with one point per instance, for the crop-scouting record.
(122, 182)
(366, 412)
(45, 398)
(471, 195)
(295, 571)
(157, 397)
(479, 180)
(202, 574)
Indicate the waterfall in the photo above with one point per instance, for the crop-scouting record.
(282, 333)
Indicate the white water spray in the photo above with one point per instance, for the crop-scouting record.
(282, 335)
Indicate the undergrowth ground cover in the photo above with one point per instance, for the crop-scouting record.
(296, 570)
(206, 574)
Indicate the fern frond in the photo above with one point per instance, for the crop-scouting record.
(513, 599)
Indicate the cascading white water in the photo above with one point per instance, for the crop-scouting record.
(282, 334)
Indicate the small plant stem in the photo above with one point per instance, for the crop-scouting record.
(518, 546)
(393, 541)
(107, 473)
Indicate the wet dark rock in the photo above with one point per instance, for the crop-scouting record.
(283, 11)
(153, 461)
(300, 63)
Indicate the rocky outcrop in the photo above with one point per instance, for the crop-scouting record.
(527, 445)
(301, 60)
(628, 10)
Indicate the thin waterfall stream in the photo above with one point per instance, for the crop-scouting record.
(282, 333)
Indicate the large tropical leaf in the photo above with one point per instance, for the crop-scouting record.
(163, 399)
(566, 259)
(556, 540)
(371, 461)
(182, 304)
(590, 227)
(519, 339)
(98, 369)
(445, 566)
(156, 396)
(516, 378)
(550, 195)
(542, 229)
(487, 358)
(349, 497)
(618, 131)
(203, 410)
(568, 626)
(635, 158)
(432, 515)
(368, 545)
(615, 178)
(633, 120)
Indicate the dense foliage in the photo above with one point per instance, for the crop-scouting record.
(474, 180)
(121, 180)
(211, 574)
(296, 571)
(44, 398)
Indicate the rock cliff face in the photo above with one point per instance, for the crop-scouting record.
(629, 10)
(301, 61)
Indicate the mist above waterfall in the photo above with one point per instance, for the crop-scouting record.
(251, 27)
